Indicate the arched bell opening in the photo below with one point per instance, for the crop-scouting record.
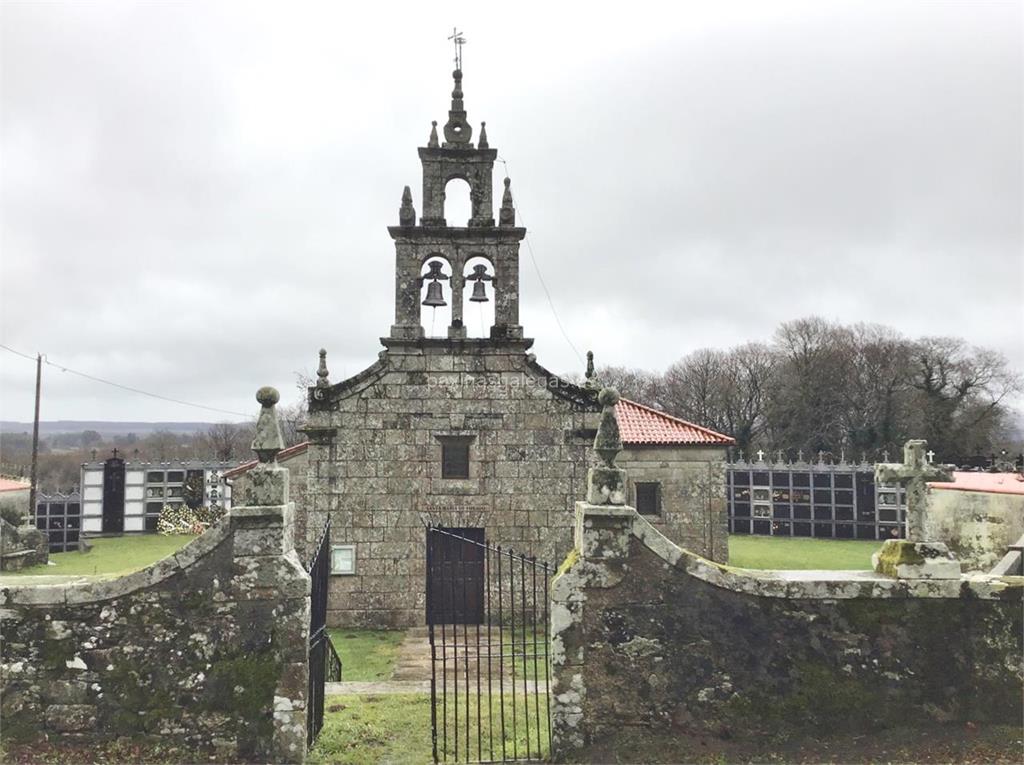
(435, 296)
(478, 297)
(458, 204)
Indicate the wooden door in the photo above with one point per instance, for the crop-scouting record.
(455, 576)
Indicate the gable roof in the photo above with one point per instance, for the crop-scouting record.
(14, 484)
(993, 483)
(282, 456)
(639, 424)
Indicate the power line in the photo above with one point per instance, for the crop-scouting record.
(540, 277)
(119, 385)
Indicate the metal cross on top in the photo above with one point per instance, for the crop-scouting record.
(458, 40)
(914, 472)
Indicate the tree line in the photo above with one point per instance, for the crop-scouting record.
(825, 386)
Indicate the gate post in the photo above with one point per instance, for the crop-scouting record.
(269, 576)
(604, 523)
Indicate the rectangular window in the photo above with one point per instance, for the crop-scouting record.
(155, 476)
(454, 457)
(175, 476)
(343, 559)
(648, 498)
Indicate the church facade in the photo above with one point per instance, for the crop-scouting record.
(472, 433)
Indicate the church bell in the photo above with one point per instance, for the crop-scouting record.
(435, 298)
(479, 293)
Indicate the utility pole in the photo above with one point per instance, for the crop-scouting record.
(35, 443)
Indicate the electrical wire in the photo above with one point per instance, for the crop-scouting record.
(536, 268)
(119, 385)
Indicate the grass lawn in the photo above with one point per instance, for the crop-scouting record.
(110, 556)
(361, 730)
(793, 553)
(366, 654)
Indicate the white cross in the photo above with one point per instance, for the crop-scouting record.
(930, 455)
(760, 455)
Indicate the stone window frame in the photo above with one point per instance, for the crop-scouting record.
(657, 497)
(460, 440)
(352, 549)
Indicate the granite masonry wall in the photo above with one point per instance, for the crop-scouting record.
(646, 634)
(375, 465)
(694, 512)
(978, 526)
(204, 652)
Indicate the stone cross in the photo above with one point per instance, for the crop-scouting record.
(930, 454)
(760, 455)
(457, 38)
(914, 472)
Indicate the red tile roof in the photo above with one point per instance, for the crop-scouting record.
(14, 484)
(993, 483)
(282, 456)
(639, 424)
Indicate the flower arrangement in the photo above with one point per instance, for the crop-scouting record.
(182, 519)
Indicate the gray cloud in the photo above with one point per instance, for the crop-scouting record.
(194, 197)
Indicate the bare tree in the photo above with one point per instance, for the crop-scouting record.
(960, 390)
(227, 441)
(161, 446)
(637, 384)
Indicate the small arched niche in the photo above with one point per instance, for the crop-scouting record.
(434, 319)
(477, 314)
(458, 203)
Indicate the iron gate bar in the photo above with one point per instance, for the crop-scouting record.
(526, 697)
(512, 611)
(490, 650)
(537, 685)
(433, 650)
(501, 675)
(324, 662)
(467, 561)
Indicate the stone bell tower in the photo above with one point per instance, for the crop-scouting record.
(437, 251)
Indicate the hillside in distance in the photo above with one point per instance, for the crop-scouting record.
(104, 428)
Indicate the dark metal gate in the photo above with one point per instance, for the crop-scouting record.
(487, 617)
(324, 663)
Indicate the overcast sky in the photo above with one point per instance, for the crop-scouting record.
(195, 195)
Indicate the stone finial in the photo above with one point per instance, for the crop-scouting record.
(608, 442)
(507, 214)
(321, 371)
(268, 440)
(591, 381)
(433, 143)
(457, 130)
(406, 213)
(482, 143)
(606, 484)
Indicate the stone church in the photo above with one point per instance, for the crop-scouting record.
(472, 433)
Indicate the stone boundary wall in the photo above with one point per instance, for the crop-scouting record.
(204, 653)
(646, 634)
(978, 526)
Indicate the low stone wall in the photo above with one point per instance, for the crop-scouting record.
(647, 634)
(204, 652)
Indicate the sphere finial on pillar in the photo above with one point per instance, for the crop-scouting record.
(267, 441)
